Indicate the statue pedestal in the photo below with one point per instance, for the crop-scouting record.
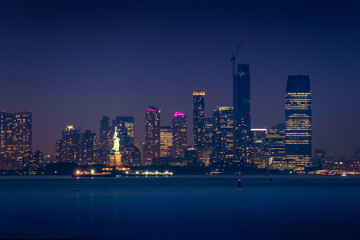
(115, 159)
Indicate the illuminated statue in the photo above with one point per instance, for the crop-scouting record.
(116, 140)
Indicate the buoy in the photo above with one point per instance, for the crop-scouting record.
(270, 179)
(239, 183)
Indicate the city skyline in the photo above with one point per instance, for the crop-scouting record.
(105, 81)
(179, 119)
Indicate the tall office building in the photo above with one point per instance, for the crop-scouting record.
(208, 139)
(298, 121)
(88, 148)
(179, 133)
(275, 148)
(131, 156)
(125, 126)
(209, 132)
(152, 135)
(259, 157)
(242, 117)
(36, 161)
(191, 157)
(68, 147)
(166, 141)
(198, 120)
(223, 138)
(15, 140)
(106, 133)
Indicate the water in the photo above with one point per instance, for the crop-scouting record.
(179, 207)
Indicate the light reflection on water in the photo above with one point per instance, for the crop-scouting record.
(200, 207)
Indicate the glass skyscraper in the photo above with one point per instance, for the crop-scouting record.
(88, 148)
(242, 119)
(275, 147)
(106, 133)
(125, 126)
(179, 133)
(198, 119)
(15, 140)
(68, 147)
(166, 141)
(298, 122)
(223, 136)
(152, 135)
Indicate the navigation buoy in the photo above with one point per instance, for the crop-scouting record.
(239, 183)
(270, 179)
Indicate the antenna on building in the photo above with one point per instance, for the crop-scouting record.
(233, 57)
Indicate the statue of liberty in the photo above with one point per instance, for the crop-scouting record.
(116, 140)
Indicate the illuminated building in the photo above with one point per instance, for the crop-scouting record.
(191, 156)
(105, 134)
(36, 161)
(275, 148)
(340, 165)
(88, 148)
(152, 135)
(258, 134)
(15, 140)
(242, 117)
(125, 126)
(208, 140)
(68, 147)
(179, 134)
(298, 121)
(223, 138)
(320, 157)
(198, 120)
(209, 130)
(166, 139)
(131, 156)
(259, 156)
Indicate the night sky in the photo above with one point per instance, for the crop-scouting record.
(60, 59)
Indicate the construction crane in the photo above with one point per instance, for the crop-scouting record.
(233, 57)
(80, 127)
(83, 120)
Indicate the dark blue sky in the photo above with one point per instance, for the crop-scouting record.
(61, 58)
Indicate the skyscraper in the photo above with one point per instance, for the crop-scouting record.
(298, 121)
(209, 132)
(36, 161)
(88, 148)
(131, 156)
(125, 126)
(209, 141)
(152, 135)
(259, 158)
(105, 133)
(198, 120)
(179, 133)
(223, 139)
(15, 140)
(166, 141)
(242, 117)
(68, 147)
(275, 148)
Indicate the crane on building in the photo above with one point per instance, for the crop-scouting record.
(83, 119)
(80, 127)
(233, 57)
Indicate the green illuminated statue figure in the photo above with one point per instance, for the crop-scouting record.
(116, 140)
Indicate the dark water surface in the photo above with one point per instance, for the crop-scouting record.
(180, 208)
